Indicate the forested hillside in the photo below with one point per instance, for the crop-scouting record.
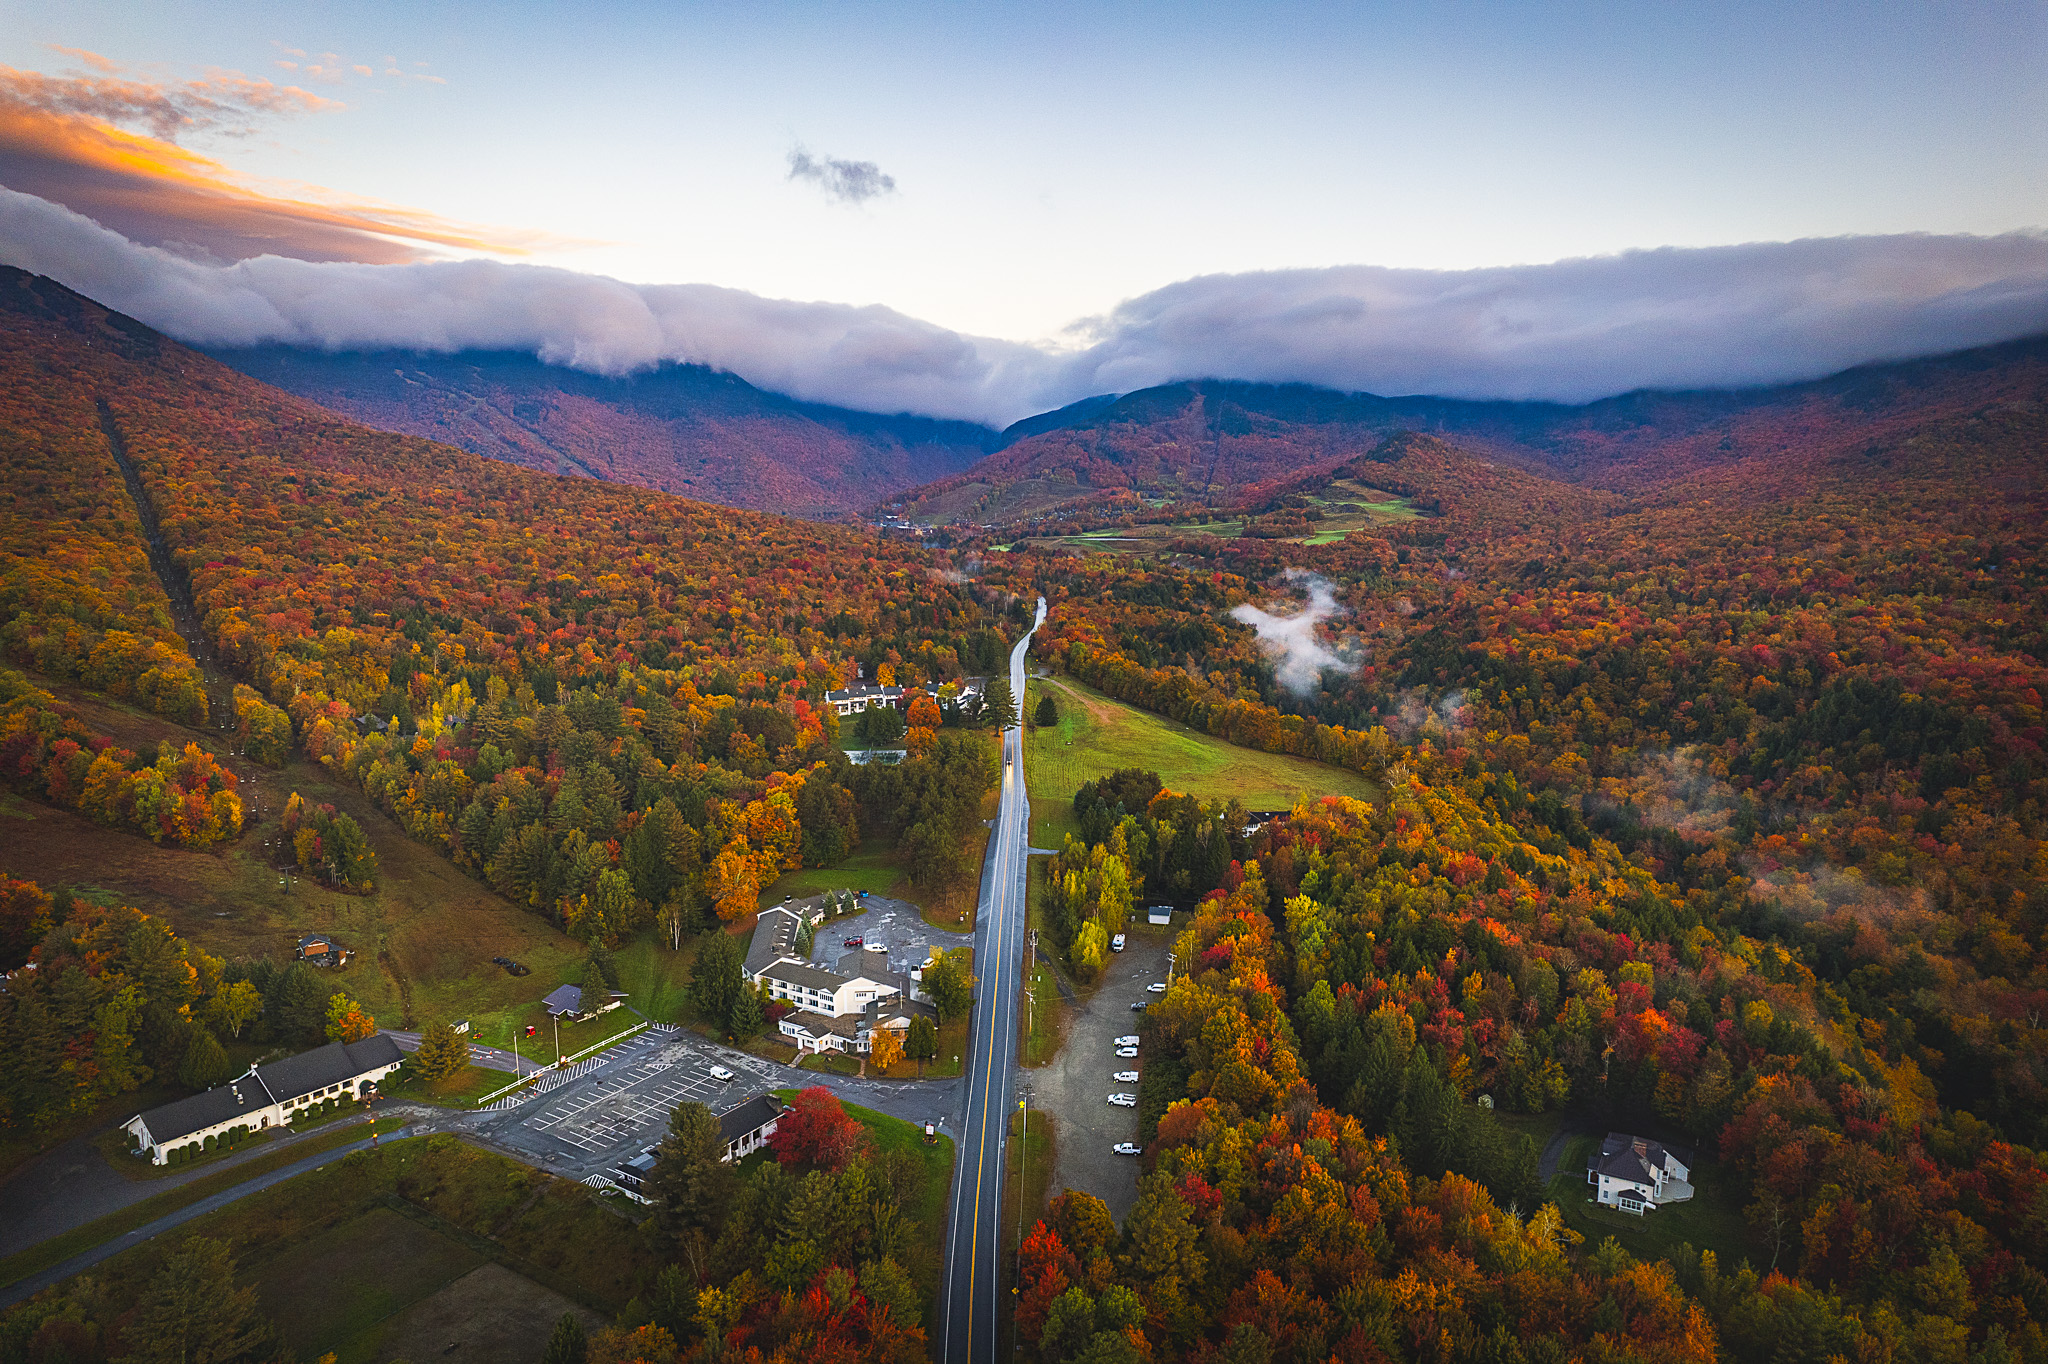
(1225, 445)
(1715, 811)
(680, 429)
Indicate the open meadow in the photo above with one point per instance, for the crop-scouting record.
(1096, 735)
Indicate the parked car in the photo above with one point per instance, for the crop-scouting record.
(1128, 1053)
(720, 1073)
(1129, 1039)
(1157, 987)
(1124, 1100)
(1140, 1006)
(1116, 944)
(1125, 1148)
(1125, 1077)
(856, 942)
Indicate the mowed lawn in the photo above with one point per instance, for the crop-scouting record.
(1096, 735)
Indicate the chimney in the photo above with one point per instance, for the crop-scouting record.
(1642, 1148)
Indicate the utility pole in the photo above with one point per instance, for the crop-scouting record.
(556, 1019)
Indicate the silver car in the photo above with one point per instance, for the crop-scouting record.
(1127, 1053)
(1125, 1077)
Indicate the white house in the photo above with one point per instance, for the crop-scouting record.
(1635, 1174)
(268, 1096)
(746, 1127)
(863, 696)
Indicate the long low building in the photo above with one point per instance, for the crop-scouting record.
(268, 1096)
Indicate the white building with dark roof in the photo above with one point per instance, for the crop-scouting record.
(268, 1096)
(1636, 1174)
(830, 1006)
(863, 696)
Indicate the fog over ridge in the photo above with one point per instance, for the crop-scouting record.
(1570, 331)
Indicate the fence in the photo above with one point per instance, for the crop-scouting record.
(541, 1081)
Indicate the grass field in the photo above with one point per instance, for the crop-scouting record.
(876, 869)
(1096, 736)
(1710, 1220)
(460, 1090)
(78, 1240)
(1042, 1028)
(552, 1231)
(423, 939)
(393, 1262)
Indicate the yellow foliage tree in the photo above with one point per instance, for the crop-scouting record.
(885, 1048)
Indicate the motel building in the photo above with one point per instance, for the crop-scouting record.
(268, 1096)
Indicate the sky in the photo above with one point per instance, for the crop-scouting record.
(1006, 176)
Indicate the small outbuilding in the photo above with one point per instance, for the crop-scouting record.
(318, 949)
(746, 1127)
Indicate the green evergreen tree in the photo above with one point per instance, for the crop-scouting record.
(923, 1043)
(690, 1186)
(999, 703)
(566, 1343)
(206, 1063)
(749, 1016)
(192, 1313)
(1048, 713)
(715, 979)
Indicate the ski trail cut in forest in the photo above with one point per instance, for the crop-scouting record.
(220, 688)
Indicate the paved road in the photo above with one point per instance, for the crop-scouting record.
(36, 1283)
(973, 1284)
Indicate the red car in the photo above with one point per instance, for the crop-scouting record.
(856, 942)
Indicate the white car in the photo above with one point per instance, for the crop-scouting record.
(1129, 1039)
(1116, 944)
(1125, 1077)
(1125, 1148)
(723, 1075)
(1127, 1053)
(1124, 1100)
(1157, 987)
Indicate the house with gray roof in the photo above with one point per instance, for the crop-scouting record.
(1636, 1174)
(268, 1096)
(746, 1127)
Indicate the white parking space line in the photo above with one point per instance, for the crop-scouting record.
(621, 1103)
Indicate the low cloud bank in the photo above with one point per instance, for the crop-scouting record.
(1299, 655)
(1572, 331)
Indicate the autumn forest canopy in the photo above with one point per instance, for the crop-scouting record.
(1714, 807)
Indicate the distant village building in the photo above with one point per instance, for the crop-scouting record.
(1636, 1174)
(863, 696)
(268, 1096)
(317, 949)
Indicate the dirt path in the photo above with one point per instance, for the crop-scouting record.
(220, 688)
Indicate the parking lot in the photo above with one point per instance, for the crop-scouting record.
(621, 1107)
(895, 924)
(1076, 1087)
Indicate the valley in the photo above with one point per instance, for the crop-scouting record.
(1507, 775)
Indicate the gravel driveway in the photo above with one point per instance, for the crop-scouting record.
(1076, 1087)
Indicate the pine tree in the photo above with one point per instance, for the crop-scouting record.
(443, 1053)
(748, 1015)
(206, 1063)
(691, 1187)
(192, 1313)
(1048, 713)
(924, 1042)
(999, 703)
(566, 1345)
(715, 979)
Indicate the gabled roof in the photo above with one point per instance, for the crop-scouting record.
(329, 1065)
(1619, 1158)
(201, 1111)
(797, 973)
(564, 999)
(774, 937)
(749, 1116)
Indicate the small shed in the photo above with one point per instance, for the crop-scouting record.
(1159, 914)
(318, 949)
(565, 1001)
